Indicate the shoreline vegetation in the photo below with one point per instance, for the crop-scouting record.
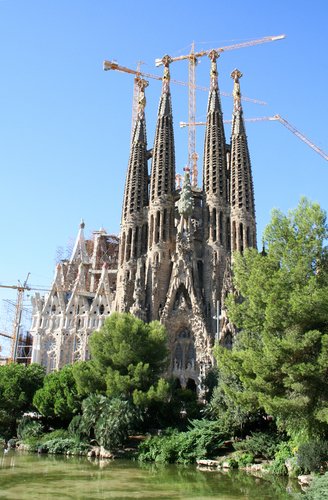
(266, 401)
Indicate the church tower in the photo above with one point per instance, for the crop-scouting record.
(161, 236)
(216, 209)
(134, 223)
(243, 225)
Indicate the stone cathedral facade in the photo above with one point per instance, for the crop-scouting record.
(172, 262)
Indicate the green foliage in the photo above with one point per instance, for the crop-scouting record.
(58, 398)
(109, 421)
(18, 384)
(283, 453)
(313, 456)
(128, 357)
(202, 440)
(259, 444)
(89, 378)
(29, 428)
(244, 459)
(125, 340)
(64, 446)
(281, 309)
(318, 490)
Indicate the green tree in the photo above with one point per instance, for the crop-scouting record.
(18, 383)
(108, 420)
(89, 378)
(58, 399)
(280, 357)
(129, 355)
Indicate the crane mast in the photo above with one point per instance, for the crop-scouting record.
(15, 335)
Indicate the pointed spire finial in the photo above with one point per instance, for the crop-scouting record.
(214, 55)
(82, 224)
(236, 75)
(166, 60)
(142, 84)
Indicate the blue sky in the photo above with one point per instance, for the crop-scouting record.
(65, 123)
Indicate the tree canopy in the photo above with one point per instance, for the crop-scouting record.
(58, 398)
(280, 307)
(128, 357)
(18, 384)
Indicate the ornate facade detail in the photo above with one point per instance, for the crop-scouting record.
(173, 261)
(82, 295)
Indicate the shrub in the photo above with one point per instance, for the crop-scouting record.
(64, 445)
(259, 444)
(245, 459)
(313, 456)
(318, 490)
(203, 439)
(278, 466)
(29, 428)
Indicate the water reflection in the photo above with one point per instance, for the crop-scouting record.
(24, 476)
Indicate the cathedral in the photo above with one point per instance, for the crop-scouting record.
(172, 261)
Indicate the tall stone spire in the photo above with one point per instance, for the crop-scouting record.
(134, 224)
(215, 167)
(243, 224)
(216, 212)
(161, 204)
(136, 185)
(163, 164)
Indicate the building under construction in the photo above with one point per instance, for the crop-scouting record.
(172, 260)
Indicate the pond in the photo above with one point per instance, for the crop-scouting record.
(28, 476)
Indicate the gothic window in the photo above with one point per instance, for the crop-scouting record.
(164, 224)
(190, 356)
(151, 231)
(241, 237)
(234, 237)
(136, 243)
(221, 227)
(178, 357)
(157, 226)
(248, 237)
(101, 309)
(228, 235)
(182, 300)
(214, 224)
(128, 245)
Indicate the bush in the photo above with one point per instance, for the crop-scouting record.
(202, 440)
(283, 453)
(29, 428)
(318, 490)
(313, 456)
(259, 444)
(245, 459)
(65, 445)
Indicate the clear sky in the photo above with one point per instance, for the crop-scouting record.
(65, 123)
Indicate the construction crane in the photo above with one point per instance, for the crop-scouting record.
(193, 58)
(113, 65)
(18, 315)
(278, 118)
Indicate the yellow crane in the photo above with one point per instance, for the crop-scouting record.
(18, 315)
(114, 66)
(193, 57)
(281, 120)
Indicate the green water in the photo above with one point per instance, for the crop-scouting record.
(29, 476)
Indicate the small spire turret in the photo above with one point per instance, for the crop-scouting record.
(79, 252)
